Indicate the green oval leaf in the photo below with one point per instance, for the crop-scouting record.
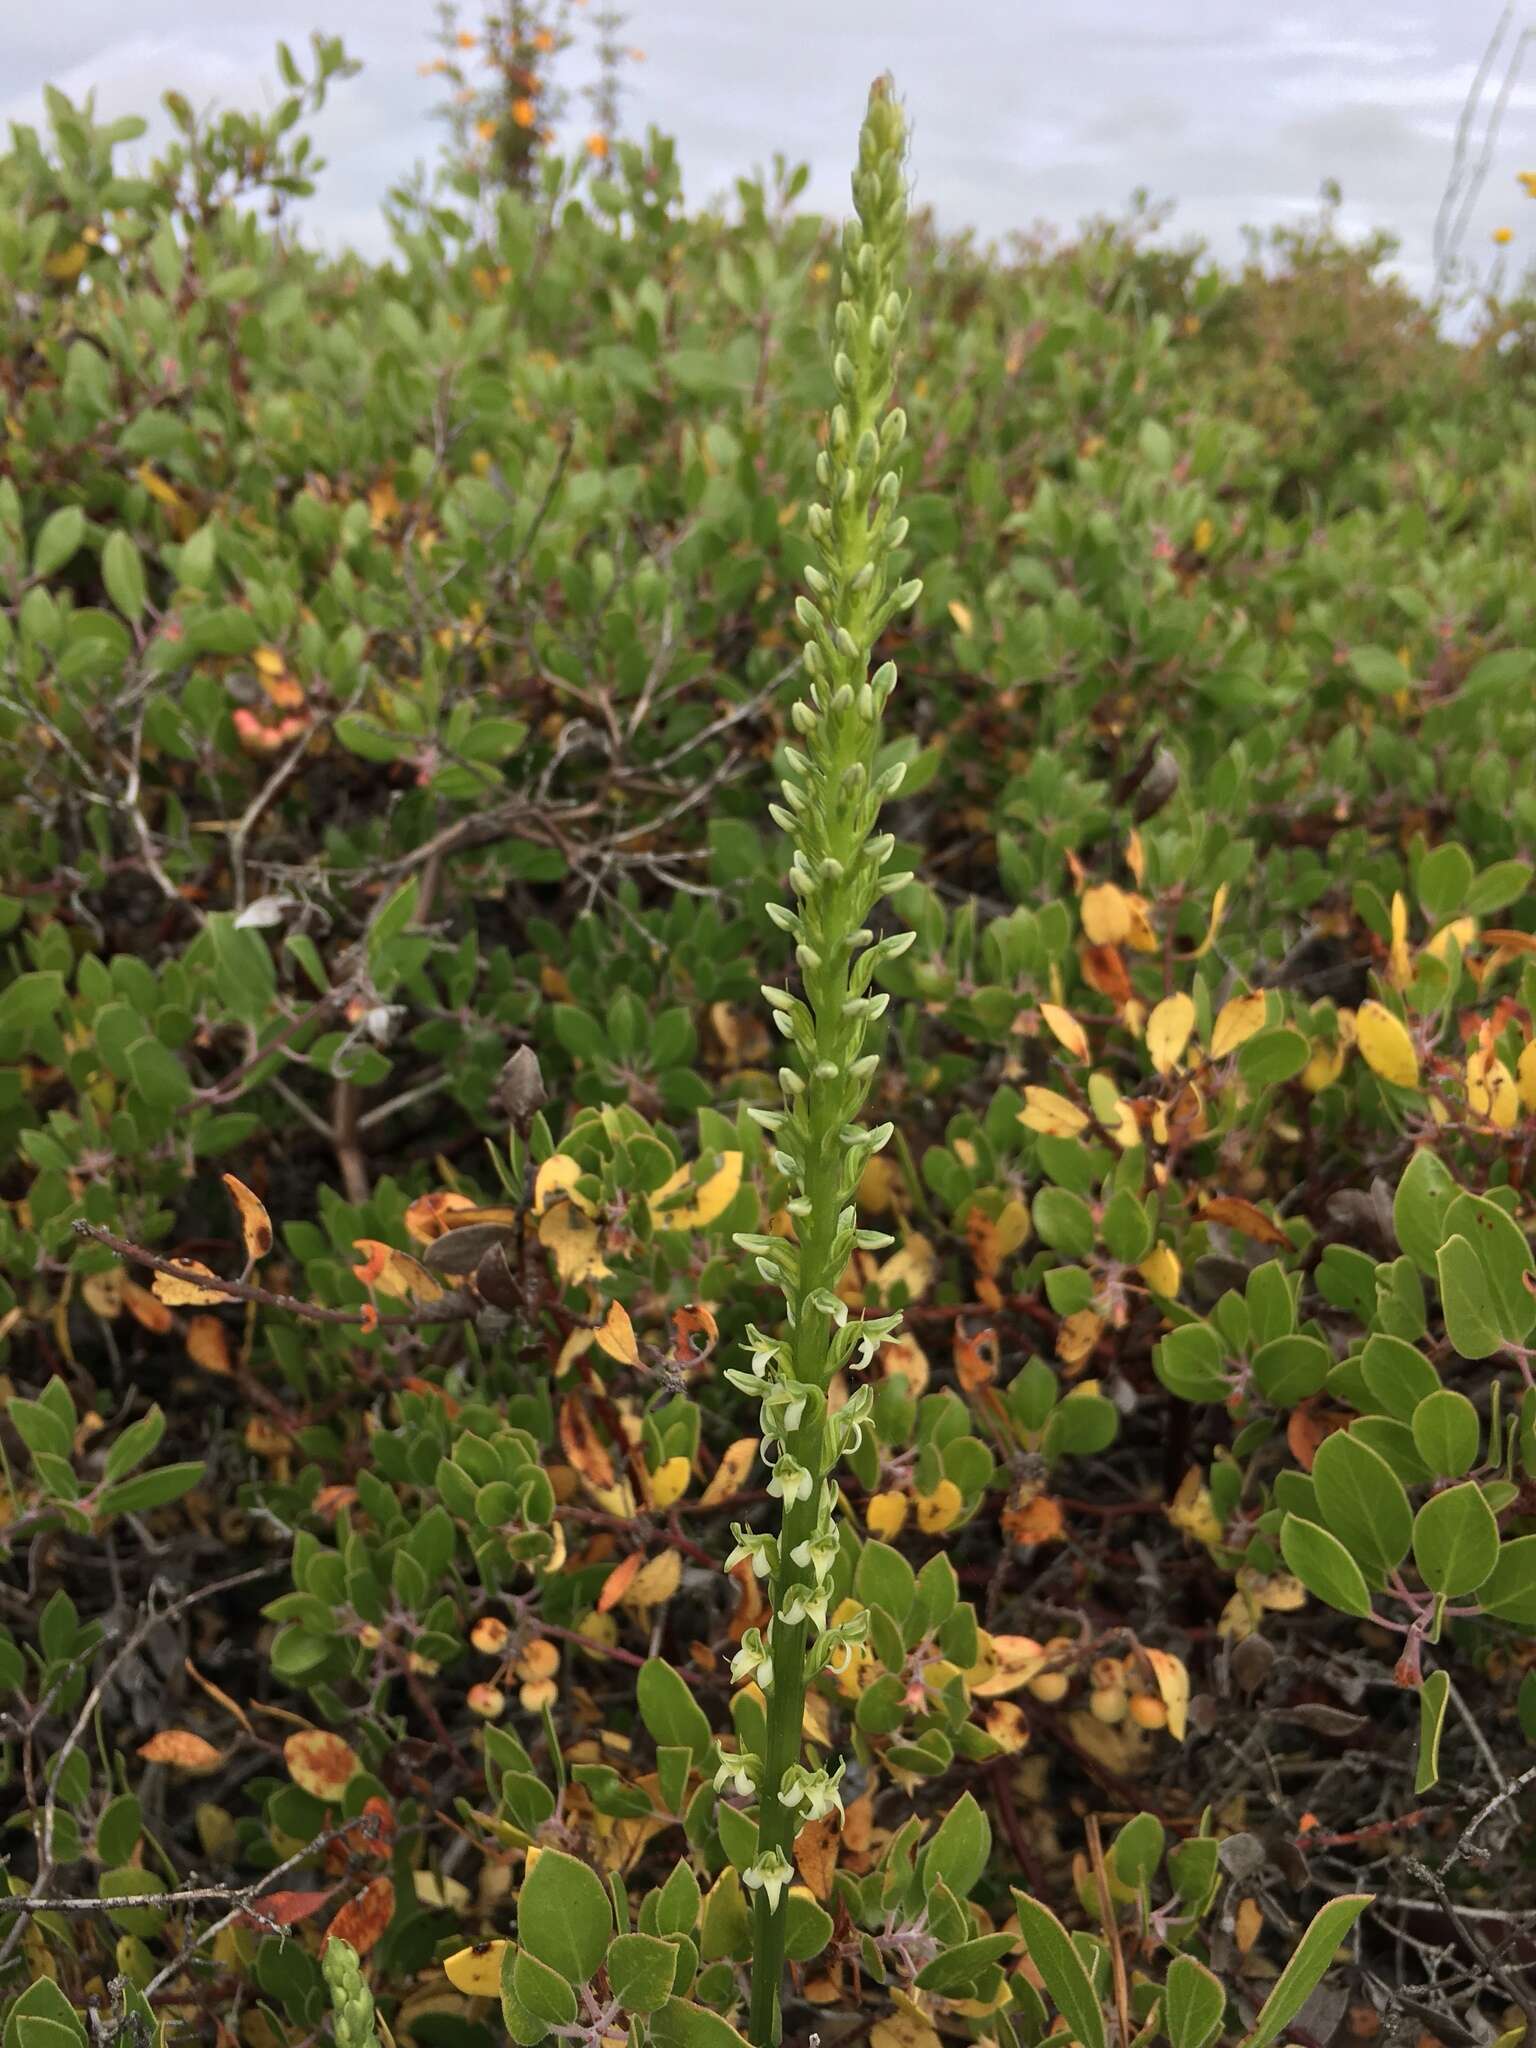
(1455, 1540)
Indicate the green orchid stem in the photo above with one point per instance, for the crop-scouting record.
(832, 797)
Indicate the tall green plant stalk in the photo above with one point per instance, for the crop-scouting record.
(832, 798)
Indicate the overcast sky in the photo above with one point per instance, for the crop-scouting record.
(1023, 110)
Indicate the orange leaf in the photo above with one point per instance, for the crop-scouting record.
(363, 1919)
(181, 1290)
(183, 1751)
(432, 1216)
(207, 1344)
(1038, 1521)
(1307, 1428)
(146, 1310)
(255, 1223)
(320, 1763)
(1104, 970)
(976, 1359)
(1244, 1218)
(694, 1331)
(618, 1582)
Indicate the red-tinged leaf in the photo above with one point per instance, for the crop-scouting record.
(320, 1764)
(282, 1909)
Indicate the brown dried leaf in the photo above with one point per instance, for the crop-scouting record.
(1245, 1218)
(584, 1448)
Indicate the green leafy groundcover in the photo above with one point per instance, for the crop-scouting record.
(396, 665)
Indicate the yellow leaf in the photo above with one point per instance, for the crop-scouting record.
(1052, 1115)
(1161, 1270)
(885, 1515)
(937, 1511)
(669, 1482)
(1236, 1022)
(1204, 534)
(1525, 1076)
(1218, 912)
(731, 1472)
(392, 1273)
(1399, 966)
(617, 1336)
(1192, 1510)
(556, 1177)
(571, 1239)
(711, 1197)
(1323, 1068)
(656, 1580)
(1491, 1089)
(961, 614)
(1065, 1027)
(255, 1223)
(104, 1292)
(1173, 1684)
(66, 264)
(1462, 929)
(912, 1267)
(1168, 1030)
(477, 1971)
(1077, 1336)
(178, 1292)
(1105, 912)
(1385, 1045)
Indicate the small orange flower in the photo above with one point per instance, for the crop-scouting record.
(1528, 180)
(486, 130)
(1503, 236)
(543, 41)
(524, 113)
(465, 39)
(597, 145)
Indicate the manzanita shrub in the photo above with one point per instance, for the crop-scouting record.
(596, 1541)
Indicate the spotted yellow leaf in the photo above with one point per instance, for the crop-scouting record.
(571, 1239)
(1161, 1270)
(938, 1510)
(477, 1971)
(1491, 1089)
